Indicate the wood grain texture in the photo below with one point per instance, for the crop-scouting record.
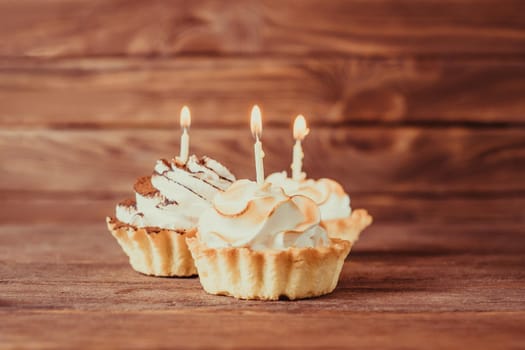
(329, 91)
(162, 27)
(404, 284)
(417, 109)
(249, 330)
(393, 268)
(377, 160)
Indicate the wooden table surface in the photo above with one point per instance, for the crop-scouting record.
(416, 107)
(419, 286)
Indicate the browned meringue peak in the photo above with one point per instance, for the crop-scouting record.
(197, 179)
(144, 187)
(328, 194)
(261, 217)
(176, 194)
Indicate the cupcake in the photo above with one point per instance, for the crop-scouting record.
(337, 216)
(152, 227)
(256, 242)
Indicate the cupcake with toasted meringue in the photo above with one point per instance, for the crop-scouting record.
(256, 242)
(152, 227)
(337, 216)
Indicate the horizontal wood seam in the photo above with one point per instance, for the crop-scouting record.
(277, 55)
(431, 124)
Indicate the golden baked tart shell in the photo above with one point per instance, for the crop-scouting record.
(294, 273)
(155, 251)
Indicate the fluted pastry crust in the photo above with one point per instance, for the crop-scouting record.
(155, 251)
(294, 273)
(349, 228)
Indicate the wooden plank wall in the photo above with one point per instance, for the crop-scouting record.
(417, 107)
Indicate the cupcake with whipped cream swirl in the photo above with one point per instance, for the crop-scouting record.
(152, 227)
(257, 242)
(337, 216)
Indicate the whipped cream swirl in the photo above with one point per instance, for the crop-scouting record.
(248, 215)
(175, 195)
(329, 195)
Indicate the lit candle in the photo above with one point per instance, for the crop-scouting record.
(256, 127)
(185, 121)
(299, 133)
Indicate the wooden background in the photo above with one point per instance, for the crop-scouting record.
(416, 107)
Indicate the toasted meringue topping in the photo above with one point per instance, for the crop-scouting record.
(176, 194)
(329, 195)
(261, 217)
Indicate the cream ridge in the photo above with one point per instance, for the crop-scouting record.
(261, 218)
(175, 195)
(329, 195)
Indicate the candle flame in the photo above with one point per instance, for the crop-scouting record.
(185, 117)
(299, 128)
(256, 122)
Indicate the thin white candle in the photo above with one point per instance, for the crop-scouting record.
(256, 128)
(299, 133)
(185, 122)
